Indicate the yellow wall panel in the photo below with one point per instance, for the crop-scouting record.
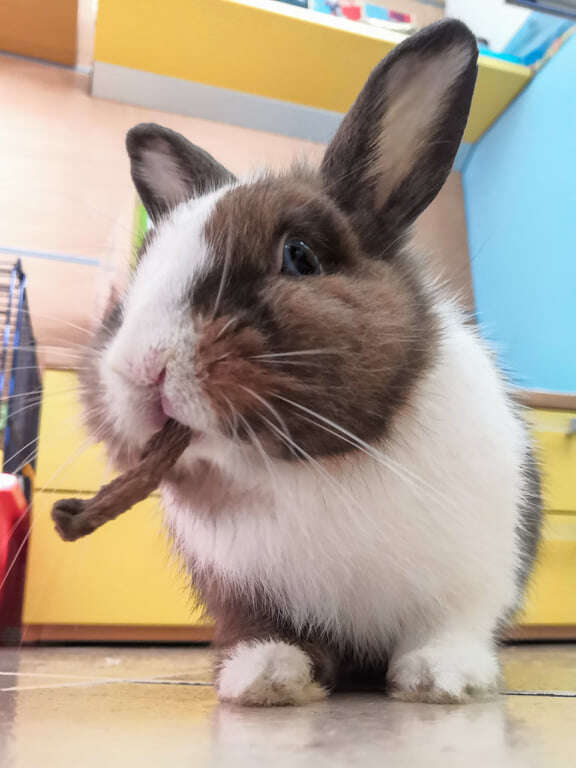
(122, 574)
(552, 591)
(231, 45)
(556, 441)
(68, 459)
(274, 51)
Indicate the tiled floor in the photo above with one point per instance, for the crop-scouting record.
(110, 707)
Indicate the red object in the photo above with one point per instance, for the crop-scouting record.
(14, 528)
(353, 12)
(398, 16)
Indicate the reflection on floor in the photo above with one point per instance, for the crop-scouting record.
(156, 707)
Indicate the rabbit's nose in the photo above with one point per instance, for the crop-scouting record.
(161, 378)
(148, 369)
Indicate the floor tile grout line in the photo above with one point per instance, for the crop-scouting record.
(69, 680)
(87, 683)
(549, 694)
(199, 683)
(90, 682)
(68, 676)
(52, 686)
(59, 675)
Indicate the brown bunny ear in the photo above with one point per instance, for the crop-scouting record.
(167, 169)
(395, 147)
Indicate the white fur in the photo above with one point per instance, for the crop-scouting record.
(268, 673)
(410, 550)
(157, 331)
(452, 667)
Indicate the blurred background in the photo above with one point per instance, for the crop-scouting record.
(254, 82)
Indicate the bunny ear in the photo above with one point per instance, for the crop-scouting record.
(395, 147)
(167, 169)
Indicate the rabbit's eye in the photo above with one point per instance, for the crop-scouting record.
(299, 259)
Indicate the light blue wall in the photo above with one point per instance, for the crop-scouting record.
(520, 194)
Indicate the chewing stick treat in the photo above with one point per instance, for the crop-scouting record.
(78, 517)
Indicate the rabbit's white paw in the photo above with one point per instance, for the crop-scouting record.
(268, 673)
(445, 673)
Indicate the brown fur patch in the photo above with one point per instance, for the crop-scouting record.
(288, 353)
(225, 361)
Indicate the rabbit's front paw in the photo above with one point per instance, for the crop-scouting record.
(268, 673)
(445, 674)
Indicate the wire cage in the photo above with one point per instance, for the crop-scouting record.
(20, 405)
(20, 381)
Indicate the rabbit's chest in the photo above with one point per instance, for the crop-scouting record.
(329, 556)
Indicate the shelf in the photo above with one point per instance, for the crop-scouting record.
(261, 49)
(539, 398)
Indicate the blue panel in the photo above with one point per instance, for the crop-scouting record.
(376, 12)
(372, 11)
(321, 5)
(557, 7)
(520, 192)
(462, 156)
(532, 41)
(502, 56)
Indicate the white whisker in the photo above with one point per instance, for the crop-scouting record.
(294, 353)
(225, 270)
(16, 554)
(267, 405)
(400, 471)
(257, 443)
(40, 392)
(82, 448)
(12, 456)
(55, 318)
(224, 328)
(343, 494)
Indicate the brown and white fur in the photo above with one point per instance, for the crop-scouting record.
(362, 507)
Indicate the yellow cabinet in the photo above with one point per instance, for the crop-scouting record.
(67, 458)
(555, 433)
(551, 598)
(121, 582)
(123, 573)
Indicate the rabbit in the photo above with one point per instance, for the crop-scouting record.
(361, 508)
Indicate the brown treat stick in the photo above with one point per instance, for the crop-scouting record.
(78, 517)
